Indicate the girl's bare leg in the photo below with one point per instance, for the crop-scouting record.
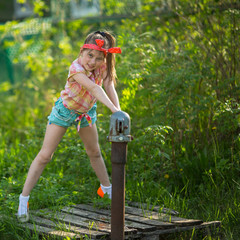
(89, 136)
(52, 138)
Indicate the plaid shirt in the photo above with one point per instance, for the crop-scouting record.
(75, 96)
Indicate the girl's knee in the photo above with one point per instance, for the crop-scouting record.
(44, 157)
(93, 153)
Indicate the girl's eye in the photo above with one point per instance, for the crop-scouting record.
(90, 55)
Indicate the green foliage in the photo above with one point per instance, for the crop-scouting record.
(149, 154)
(178, 78)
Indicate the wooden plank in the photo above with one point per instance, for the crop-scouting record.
(162, 217)
(96, 215)
(75, 220)
(81, 231)
(49, 231)
(129, 217)
(205, 225)
(131, 220)
(130, 226)
(44, 230)
(153, 208)
(91, 208)
(158, 224)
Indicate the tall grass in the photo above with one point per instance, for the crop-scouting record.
(68, 179)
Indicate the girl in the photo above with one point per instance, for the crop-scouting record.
(77, 105)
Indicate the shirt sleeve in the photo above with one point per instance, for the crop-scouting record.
(76, 68)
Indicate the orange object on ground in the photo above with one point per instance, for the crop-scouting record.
(100, 192)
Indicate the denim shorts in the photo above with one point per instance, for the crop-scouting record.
(65, 117)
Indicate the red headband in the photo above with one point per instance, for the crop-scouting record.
(99, 47)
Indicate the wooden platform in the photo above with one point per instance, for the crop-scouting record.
(86, 222)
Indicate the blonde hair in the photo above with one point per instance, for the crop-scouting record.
(109, 42)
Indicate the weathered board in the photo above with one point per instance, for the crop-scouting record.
(87, 222)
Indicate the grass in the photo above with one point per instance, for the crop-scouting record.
(195, 192)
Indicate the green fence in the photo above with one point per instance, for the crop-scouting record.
(12, 67)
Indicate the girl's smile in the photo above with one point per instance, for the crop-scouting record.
(92, 59)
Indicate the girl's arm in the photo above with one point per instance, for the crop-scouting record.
(95, 90)
(111, 92)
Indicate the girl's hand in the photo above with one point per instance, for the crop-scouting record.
(115, 110)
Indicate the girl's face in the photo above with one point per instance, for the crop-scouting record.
(92, 59)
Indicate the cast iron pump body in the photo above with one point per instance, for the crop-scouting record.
(119, 136)
(120, 127)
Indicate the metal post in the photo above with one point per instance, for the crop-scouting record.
(119, 136)
(119, 157)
